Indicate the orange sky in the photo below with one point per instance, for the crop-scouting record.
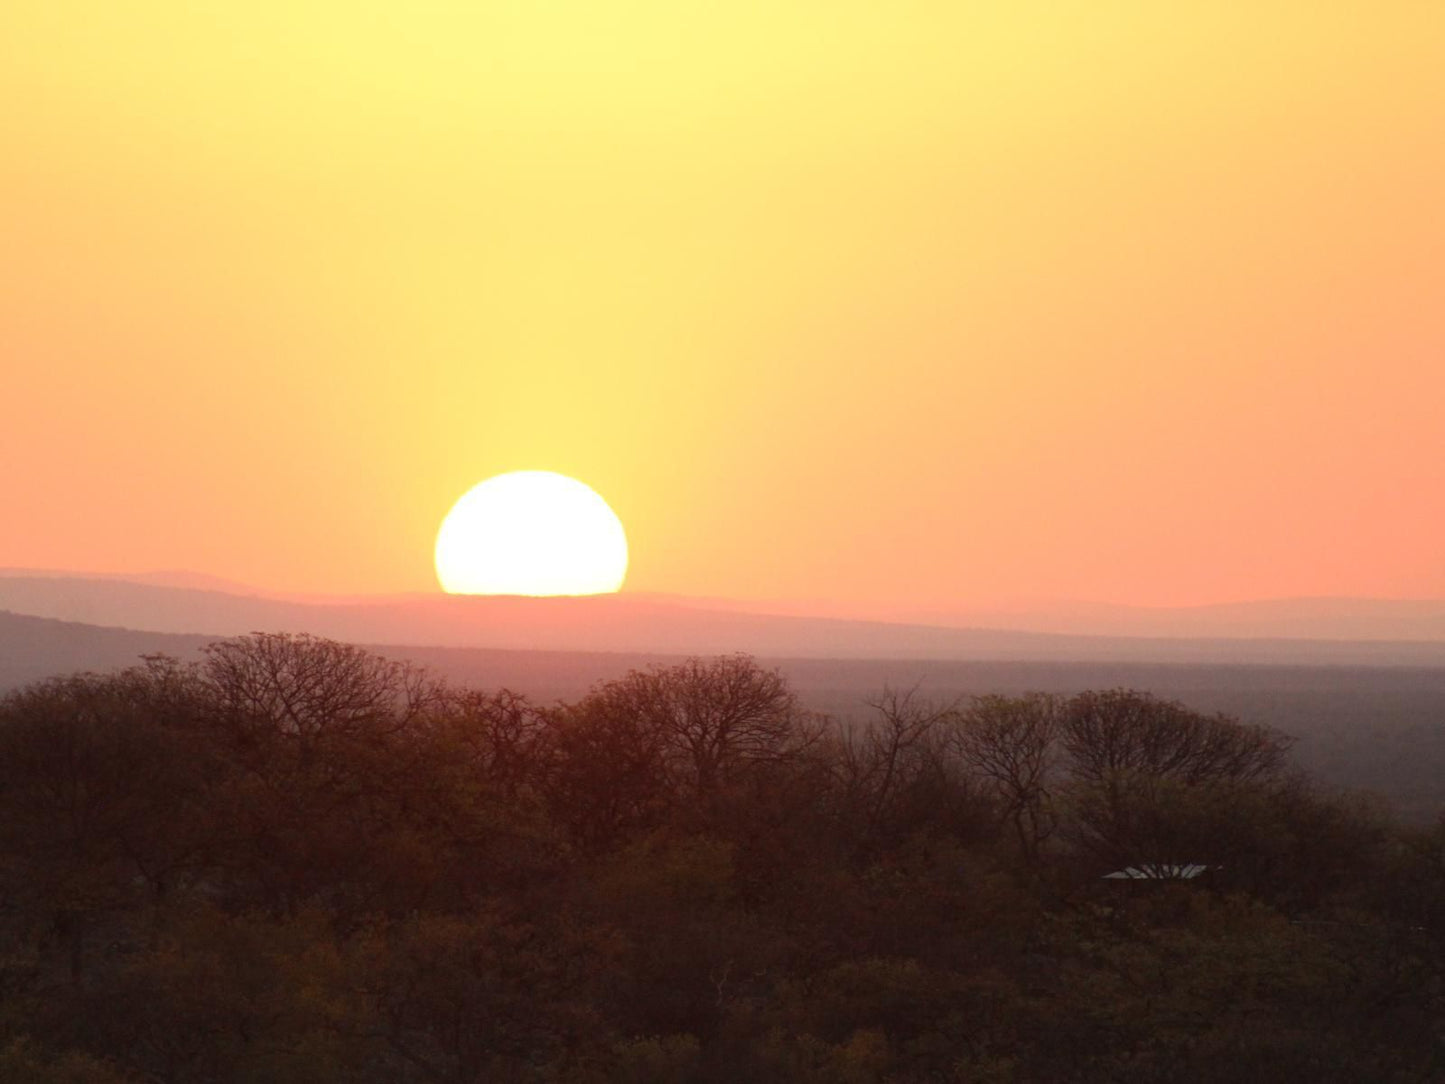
(917, 304)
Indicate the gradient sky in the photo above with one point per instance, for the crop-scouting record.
(891, 304)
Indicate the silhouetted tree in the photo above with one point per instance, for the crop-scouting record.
(1150, 779)
(1124, 731)
(712, 718)
(605, 773)
(102, 796)
(310, 688)
(1012, 743)
(891, 769)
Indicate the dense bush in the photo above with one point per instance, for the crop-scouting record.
(297, 861)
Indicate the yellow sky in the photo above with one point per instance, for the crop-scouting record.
(903, 304)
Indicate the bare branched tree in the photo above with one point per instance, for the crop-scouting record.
(1146, 774)
(713, 716)
(1120, 730)
(310, 687)
(1012, 742)
(499, 736)
(887, 754)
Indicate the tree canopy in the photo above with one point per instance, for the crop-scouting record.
(297, 860)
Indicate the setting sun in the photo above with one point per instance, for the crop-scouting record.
(531, 533)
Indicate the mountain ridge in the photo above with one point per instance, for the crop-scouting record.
(648, 625)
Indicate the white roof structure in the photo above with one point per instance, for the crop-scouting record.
(1159, 871)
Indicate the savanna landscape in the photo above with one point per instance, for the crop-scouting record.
(689, 543)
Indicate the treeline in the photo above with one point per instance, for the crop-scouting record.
(297, 861)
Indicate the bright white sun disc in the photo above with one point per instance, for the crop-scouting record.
(531, 532)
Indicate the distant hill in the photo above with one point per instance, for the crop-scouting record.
(200, 581)
(642, 624)
(32, 648)
(1288, 618)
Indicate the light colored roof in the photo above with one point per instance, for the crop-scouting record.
(1159, 871)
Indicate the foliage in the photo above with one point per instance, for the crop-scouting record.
(296, 861)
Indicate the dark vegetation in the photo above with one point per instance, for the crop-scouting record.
(298, 861)
(1378, 728)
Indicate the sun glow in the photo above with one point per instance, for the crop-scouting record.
(531, 533)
